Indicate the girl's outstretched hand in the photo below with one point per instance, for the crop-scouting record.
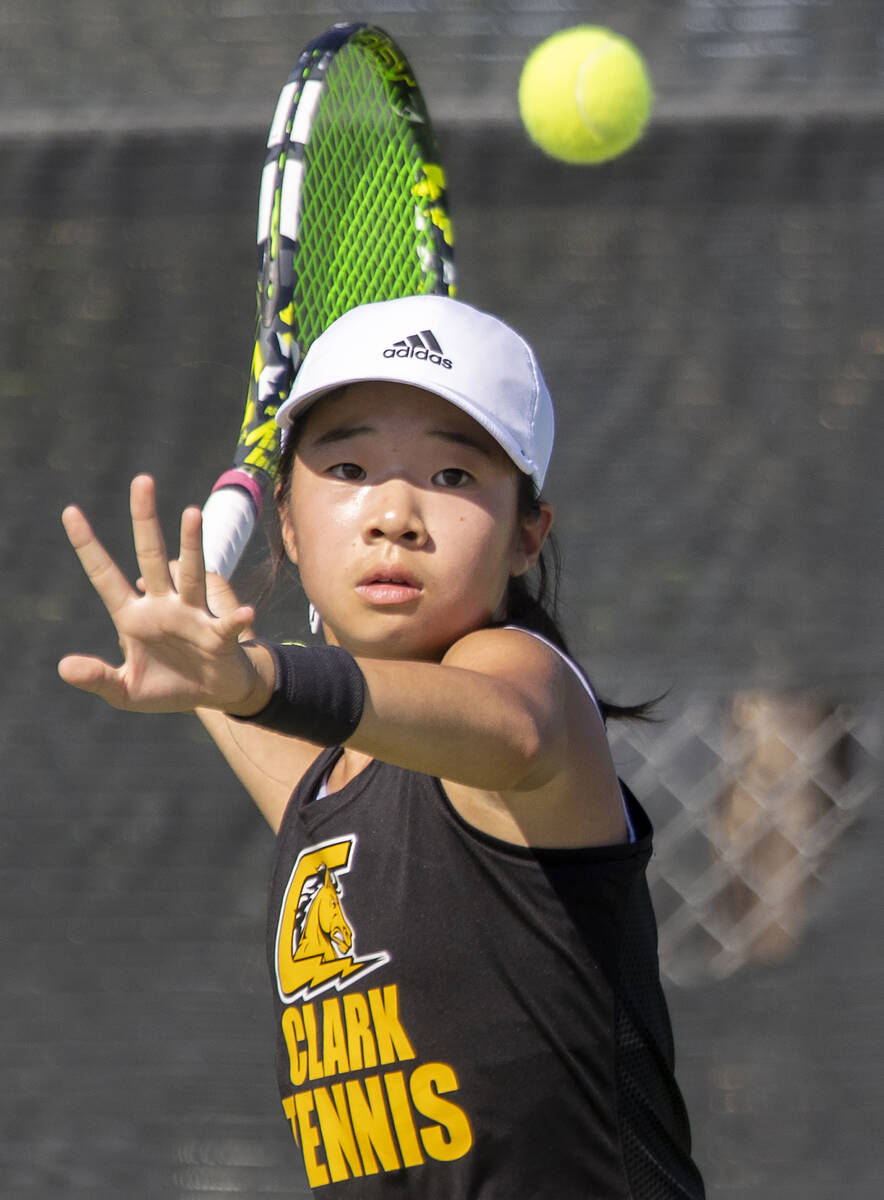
(177, 654)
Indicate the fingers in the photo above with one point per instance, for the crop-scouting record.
(221, 597)
(239, 623)
(190, 577)
(103, 573)
(91, 675)
(159, 576)
(150, 546)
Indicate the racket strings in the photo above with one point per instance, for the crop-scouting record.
(367, 210)
(374, 206)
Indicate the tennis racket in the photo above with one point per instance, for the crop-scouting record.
(352, 209)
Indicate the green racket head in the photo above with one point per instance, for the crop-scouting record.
(378, 225)
(353, 209)
(358, 210)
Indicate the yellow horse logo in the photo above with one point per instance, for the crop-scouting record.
(321, 928)
(314, 938)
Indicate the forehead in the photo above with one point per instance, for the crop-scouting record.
(392, 408)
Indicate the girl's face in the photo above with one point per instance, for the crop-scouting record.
(403, 520)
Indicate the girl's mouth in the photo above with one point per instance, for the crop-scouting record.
(389, 588)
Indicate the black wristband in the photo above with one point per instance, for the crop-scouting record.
(319, 694)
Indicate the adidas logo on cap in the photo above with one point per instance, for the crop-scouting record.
(422, 346)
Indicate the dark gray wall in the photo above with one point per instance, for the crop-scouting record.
(710, 314)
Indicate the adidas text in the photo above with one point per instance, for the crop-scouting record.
(419, 352)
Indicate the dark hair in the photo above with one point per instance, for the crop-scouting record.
(532, 600)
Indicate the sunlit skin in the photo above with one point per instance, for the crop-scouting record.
(403, 520)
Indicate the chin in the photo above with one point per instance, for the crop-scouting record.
(398, 638)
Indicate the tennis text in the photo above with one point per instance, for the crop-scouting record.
(389, 1116)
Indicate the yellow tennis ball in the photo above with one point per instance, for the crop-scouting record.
(585, 94)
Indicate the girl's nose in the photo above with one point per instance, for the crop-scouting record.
(395, 514)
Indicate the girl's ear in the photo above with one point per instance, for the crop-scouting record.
(533, 532)
(287, 529)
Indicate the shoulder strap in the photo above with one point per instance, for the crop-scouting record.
(575, 667)
(578, 671)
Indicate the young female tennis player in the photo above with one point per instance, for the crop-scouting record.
(460, 935)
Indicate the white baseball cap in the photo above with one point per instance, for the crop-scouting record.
(433, 342)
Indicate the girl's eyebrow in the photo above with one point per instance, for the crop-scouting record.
(341, 433)
(462, 439)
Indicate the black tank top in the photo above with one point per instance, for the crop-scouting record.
(463, 1019)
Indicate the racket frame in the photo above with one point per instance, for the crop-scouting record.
(233, 509)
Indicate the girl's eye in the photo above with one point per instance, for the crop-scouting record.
(452, 477)
(347, 470)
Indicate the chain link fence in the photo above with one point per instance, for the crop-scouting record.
(750, 796)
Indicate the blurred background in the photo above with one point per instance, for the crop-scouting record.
(709, 311)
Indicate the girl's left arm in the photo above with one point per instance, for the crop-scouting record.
(511, 731)
(489, 716)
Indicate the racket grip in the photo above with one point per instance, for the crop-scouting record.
(229, 517)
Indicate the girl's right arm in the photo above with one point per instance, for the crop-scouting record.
(267, 764)
(178, 654)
